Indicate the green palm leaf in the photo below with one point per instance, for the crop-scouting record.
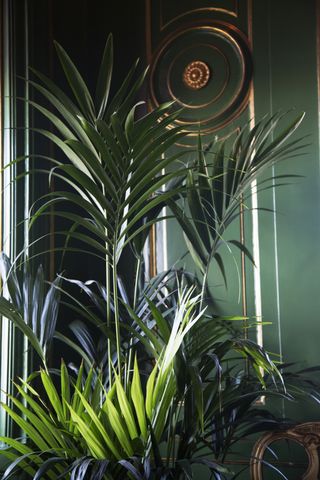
(76, 83)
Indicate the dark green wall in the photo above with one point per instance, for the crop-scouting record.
(283, 37)
(284, 56)
(285, 78)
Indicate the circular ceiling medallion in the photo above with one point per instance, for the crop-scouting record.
(206, 69)
(196, 75)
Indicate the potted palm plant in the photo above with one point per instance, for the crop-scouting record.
(156, 391)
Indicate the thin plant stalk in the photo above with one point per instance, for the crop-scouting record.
(116, 311)
(108, 311)
(135, 299)
(108, 297)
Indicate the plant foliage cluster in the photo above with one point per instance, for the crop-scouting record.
(163, 383)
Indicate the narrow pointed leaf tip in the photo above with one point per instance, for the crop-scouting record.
(104, 78)
(76, 83)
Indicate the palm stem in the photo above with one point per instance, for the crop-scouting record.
(135, 299)
(116, 310)
(108, 295)
(170, 437)
(204, 283)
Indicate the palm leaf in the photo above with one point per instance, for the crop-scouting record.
(104, 78)
(76, 83)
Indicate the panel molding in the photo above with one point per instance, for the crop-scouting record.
(212, 42)
(233, 12)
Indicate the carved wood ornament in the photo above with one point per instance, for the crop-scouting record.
(306, 434)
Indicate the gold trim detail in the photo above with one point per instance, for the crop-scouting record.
(233, 13)
(153, 235)
(306, 434)
(242, 223)
(148, 31)
(196, 75)
(240, 44)
(195, 106)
